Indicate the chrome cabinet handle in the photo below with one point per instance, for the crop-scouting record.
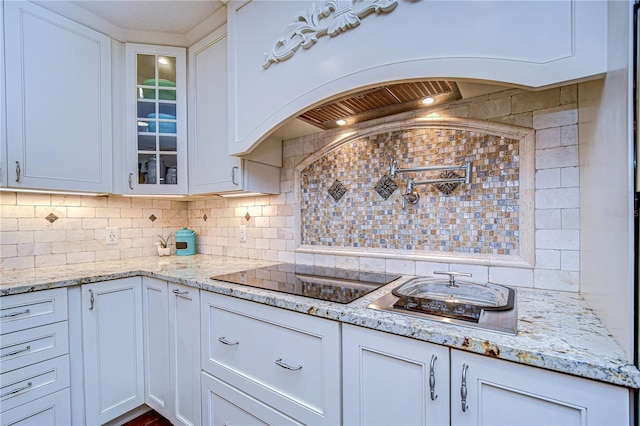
(130, 180)
(287, 366)
(16, 352)
(178, 292)
(18, 171)
(92, 300)
(227, 342)
(28, 385)
(233, 175)
(15, 314)
(432, 378)
(463, 388)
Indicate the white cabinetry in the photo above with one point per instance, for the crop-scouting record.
(386, 380)
(211, 170)
(112, 348)
(156, 120)
(390, 379)
(285, 360)
(504, 393)
(34, 360)
(58, 89)
(172, 350)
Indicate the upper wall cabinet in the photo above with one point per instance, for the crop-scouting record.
(287, 56)
(211, 169)
(58, 97)
(156, 120)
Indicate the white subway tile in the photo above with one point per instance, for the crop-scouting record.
(548, 178)
(400, 266)
(570, 260)
(8, 250)
(285, 256)
(50, 260)
(34, 249)
(548, 219)
(558, 239)
(58, 247)
(372, 264)
(511, 276)
(326, 260)
(13, 263)
(83, 257)
(570, 176)
(548, 259)
(555, 117)
(570, 218)
(425, 269)
(557, 280)
(549, 138)
(479, 273)
(106, 255)
(49, 236)
(8, 224)
(563, 198)
(570, 135)
(566, 156)
(304, 258)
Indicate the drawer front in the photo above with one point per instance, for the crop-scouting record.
(226, 405)
(50, 410)
(26, 384)
(33, 345)
(27, 310)
(286, 359)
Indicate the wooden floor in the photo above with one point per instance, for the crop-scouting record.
(150, 418)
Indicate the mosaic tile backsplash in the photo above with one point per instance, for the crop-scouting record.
(481, 217)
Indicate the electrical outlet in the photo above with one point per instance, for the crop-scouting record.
(111, 236)
(243, 233)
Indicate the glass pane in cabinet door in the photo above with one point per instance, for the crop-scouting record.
(146, 75)
(168, 143)
(144, 162)
(171, 167)
(146, 141)
(167, 77)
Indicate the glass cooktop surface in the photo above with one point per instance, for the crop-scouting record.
(317, 282)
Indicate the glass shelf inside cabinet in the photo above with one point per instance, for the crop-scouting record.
(156, 119)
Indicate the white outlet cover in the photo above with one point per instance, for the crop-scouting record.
(111, 236)
(243, 233)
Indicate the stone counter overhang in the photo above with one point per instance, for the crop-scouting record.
(556, 330)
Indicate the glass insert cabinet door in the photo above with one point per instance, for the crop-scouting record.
(156, 92)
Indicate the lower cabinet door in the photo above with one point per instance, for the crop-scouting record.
(488, 391)
(393, 380)
(225, 405)
(112, 348)
(51, 410)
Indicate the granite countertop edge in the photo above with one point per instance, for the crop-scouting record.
(584, 350)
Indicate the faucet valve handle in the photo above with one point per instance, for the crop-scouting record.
(452, 276)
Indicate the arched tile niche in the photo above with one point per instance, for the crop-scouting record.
(489, 221)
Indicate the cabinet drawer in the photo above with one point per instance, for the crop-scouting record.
(26, 384)
(288, 360)
(226, 405)
(27, 310)
(33, 345)
(50, 410)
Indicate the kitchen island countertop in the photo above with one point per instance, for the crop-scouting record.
(556, 330)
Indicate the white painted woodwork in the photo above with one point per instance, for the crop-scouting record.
(3, 115)
(505, 393)
(211, 170)
(172, 350)
(34, 381)
(50, 410)
(131, 122)
(184, 329)
(155, 311)
(33, 345)
(26, 310)
(225, 405)
(112, 348)
(406, 43)
(385, 379)
(309, 392)
(58, 76)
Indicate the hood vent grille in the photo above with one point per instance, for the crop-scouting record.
(380, 102)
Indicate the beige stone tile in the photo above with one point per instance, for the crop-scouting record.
(35, 224)
(14, 263)
(84, 257)
(535, 100)
(8, 224)
(569, 94)
(511, 276)
(119, 202)
(558, 239)
(58, 247)
(8, 198)
(492, 108)
(16, 237)
(28, 199)
(67, 200)
(8, 250)
(557, 280)
(563, 115)
(547, 259)
(95, 202)
(82, 212)
(566, 156)
(107, 212)
(18, 211)
(50, 260)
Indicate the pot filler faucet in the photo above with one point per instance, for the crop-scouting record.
(410, 195)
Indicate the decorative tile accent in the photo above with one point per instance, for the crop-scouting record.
(205, 217)
(385, 187)
(152, 218)
(337, 190)
(481, 217)
(247, 216)
(449, 187)
(51, 217)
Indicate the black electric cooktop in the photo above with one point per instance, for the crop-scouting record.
(331, 284)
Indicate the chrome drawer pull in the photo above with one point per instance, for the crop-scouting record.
(15, 314)
(432, 378)
(287, 366)
(178, 292)
(16, 390)
(463, 388)
(16, 352)
(227, 342)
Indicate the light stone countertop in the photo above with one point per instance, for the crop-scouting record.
(556, 330)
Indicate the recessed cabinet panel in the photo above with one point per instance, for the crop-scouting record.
(58, 77)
